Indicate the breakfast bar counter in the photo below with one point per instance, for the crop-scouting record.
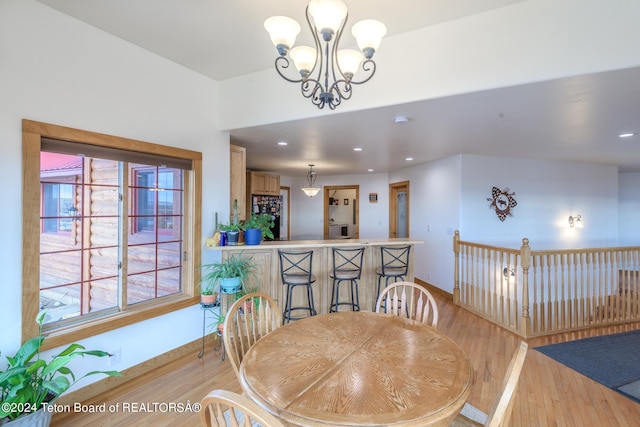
(267, 278)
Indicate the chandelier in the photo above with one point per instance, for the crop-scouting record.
(326, 73)
(311, 189)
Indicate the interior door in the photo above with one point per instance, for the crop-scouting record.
(399, 209)
(284, 213)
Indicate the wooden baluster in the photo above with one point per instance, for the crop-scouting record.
(525, 257)
(456, 269)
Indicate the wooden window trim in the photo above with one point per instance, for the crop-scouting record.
(32, 134)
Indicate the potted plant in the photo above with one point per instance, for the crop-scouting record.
(29, 382)
(247, 306)
(258, 227)
(208, 296)
(233, 233)
(230, 275)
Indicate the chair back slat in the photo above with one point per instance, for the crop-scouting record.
(250, 318)
(409, 300)
(223, 408)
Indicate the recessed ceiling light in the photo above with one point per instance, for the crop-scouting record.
(626, 135)
(369, 170)
(401, 119)
(357, 149)
(409, 158)
(283, 143)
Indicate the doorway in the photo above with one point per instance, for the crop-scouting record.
(284, 213)
(341, 212)
(399, 209)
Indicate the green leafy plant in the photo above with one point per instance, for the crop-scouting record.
(234, 266)
(29, 381)
(230, 227)
(262, 222)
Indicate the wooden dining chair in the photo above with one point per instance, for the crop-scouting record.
(250, 318)
(223, 408)
(500, 412)
(410, 300)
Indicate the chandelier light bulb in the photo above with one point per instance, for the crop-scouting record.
(369, 34)
(304, 58)
(283, 32)
(349, 61)
(327, 15)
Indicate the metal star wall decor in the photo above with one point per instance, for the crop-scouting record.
(502, 202)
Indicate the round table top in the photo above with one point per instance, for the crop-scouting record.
(357, 369)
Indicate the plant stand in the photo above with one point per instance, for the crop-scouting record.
(204, 308)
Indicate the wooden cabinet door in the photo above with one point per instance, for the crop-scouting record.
(263, 183)
(273, 185)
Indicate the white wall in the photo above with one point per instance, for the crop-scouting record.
(547, 193)
(629, 209)
(525, 42)
(434, 206)
(307, 213)
(451, 194)
(58, 70)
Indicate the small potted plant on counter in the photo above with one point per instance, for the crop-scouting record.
(257, 228)
(233, 233)
(29, 382)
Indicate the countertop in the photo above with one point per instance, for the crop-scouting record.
(318, 243)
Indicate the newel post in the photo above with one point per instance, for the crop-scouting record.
(525, 261)
(456, 269)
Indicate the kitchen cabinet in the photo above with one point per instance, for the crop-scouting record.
(263, 184)
(238, 181)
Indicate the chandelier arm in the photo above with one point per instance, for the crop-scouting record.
(368, 65)
(282, 62)
(339, 94)
(318, 44)
(334, 54)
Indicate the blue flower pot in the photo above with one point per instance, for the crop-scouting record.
(230, 285)
(252, 236)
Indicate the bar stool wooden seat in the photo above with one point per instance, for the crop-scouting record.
(295, 271)
(347, 266)
(394, 262)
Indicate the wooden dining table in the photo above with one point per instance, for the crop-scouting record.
(357, 369)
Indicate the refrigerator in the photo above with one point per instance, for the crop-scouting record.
(271, 205)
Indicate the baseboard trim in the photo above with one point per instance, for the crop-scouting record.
(103, 386)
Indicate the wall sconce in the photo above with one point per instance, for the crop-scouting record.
(575, 221)
(508, 272)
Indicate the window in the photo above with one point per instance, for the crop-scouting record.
(117, 221)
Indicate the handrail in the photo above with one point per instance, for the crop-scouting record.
(542, 292)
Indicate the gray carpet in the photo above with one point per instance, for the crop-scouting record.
(611, 360)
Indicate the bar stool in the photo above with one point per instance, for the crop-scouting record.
(295, 270)
(394, 264)
(347, 265)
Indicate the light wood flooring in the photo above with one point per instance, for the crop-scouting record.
(548, 394)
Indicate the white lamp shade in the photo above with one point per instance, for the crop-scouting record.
(311, 191)
(327, 13)
(283, 30)
(369, 33)
(304, 58)
(349, 61)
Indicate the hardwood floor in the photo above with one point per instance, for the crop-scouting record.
(548, 394)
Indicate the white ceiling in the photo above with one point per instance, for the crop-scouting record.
(576, 118)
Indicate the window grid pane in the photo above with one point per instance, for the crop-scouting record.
(81, 228)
